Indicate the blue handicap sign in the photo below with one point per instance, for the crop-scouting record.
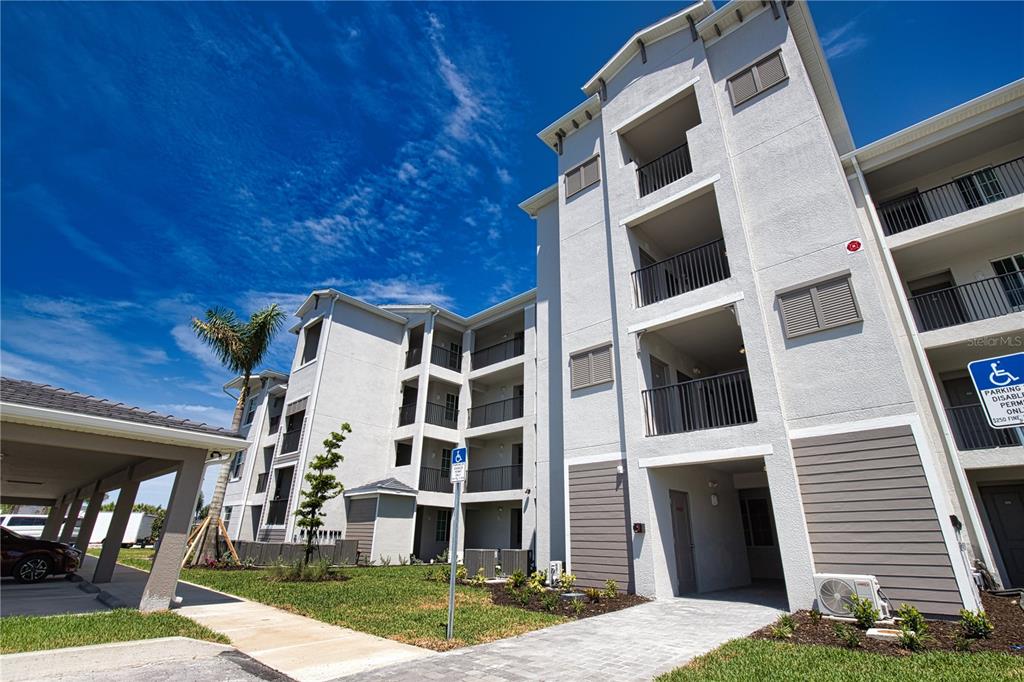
(459, 456)
(1000, 385)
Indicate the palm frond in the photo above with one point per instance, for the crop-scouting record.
(223, 333)
(259, 332)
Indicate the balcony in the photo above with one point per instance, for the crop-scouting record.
(435, 480)
(664, 170)
(498, 411)
(441, 415)
(972, 431)
(261, 483)
(277, 512)
(980, 300)
(492, 479)
(290, 441)
(681, 273)
(710, 403)
(447, 358)
(499, 352)
(413, 357)
(966, 192)
(407, 414)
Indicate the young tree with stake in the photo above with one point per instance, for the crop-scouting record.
(322, 487)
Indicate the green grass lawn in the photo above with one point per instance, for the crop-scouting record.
(37, 633)
(394, 602)
(765, 661)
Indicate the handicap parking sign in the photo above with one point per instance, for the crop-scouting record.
(1000, 385)
(460, 462)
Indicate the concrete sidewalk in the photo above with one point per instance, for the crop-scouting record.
(167, 658)
(302, 648)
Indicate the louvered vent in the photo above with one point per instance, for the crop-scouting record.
(591, 367)
(836, 303)
(822, 306)
(742, 86)
(770, 71)
(757, 78)
(798, 313)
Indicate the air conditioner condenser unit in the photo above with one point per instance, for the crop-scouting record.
(833, 591)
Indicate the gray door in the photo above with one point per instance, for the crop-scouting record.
(683, 537)
(663, 403)
(1005, 507)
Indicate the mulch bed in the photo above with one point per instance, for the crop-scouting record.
(501, 595)
(1004, 612)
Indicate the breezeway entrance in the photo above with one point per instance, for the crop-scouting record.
(65, 450)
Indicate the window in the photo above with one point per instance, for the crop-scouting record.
(403, 454)
(236, 465)
(250, 410)
(444, 522)
(311, 342)
(818, 307)
(227, 514)
(591, 367)
(757, 78)
(583, 176)
(1010, 271)
(757, 522)
(446, 462)
(980, 187)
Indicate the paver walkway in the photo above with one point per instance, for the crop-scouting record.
(638, 643)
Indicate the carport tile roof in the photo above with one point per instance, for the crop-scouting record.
(32, 394)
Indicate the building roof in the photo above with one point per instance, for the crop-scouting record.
(539, 200)
(386, 486)
(569, 123)
(19, 392)
(265, 375)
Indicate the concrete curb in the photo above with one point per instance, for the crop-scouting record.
(110, 600)
(54, 663)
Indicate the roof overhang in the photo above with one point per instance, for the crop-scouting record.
(346, 298)
(377, 490)
(104, 426)
(569, 123)
(653, 33)
(534, 204)
(265, 375)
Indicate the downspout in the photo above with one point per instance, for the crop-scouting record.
(963, 493)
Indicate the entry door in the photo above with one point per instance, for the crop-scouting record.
(664, 403)
(683, 537)
(1005, 507)
(516, 530)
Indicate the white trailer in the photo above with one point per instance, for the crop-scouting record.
(138, 530)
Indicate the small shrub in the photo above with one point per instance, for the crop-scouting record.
(611, 589)
(521, 596)
(517, 580)
(864, 611)
(479, 580)
(961, 643)
(975, 624)
(783, 628)
(815, 616)
(909, 639)
(846, 635)
(568, 582)
(403, 561)
(385, 561)
(912, 619)
(461, 572)
(549, 601)
(593, 594)
(316, 571)
(577, 607)
(537, 580)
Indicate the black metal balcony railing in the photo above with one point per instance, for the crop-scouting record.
(972, 431)
(980, 300)
(277, 512)
(491, 479)
(964, 193)
(686, 271)
(716, 401)
(447, 358)
(274, 425)
(435, 480)
(665, 169)
(498, 411)
(441, 415)
(407, 414)
(261, 483)
(290, 441)
(505, 350)
(413, 356)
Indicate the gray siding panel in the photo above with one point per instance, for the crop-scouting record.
(362, 515)
(599, 542)
(869, 510)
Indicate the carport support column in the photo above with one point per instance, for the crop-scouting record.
(54, 519)
(163, 577)
(92, 512)
(72, 519)
(115, 533)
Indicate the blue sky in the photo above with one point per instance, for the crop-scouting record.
(162, 158)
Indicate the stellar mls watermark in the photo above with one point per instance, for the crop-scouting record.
(1008, 341)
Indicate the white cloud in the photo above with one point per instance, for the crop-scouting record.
(504, 176)
(407, 171)
(215, 416)
(842, 41)
(399, 290)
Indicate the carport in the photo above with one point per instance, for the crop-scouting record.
(64, 450)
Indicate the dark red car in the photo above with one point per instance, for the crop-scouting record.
(29, 560)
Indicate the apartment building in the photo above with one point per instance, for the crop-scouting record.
(738, 376)
(413, 382)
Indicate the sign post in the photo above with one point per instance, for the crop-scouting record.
(460, 462)
(1000, 385)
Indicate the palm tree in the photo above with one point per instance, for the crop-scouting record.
(240, 346)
